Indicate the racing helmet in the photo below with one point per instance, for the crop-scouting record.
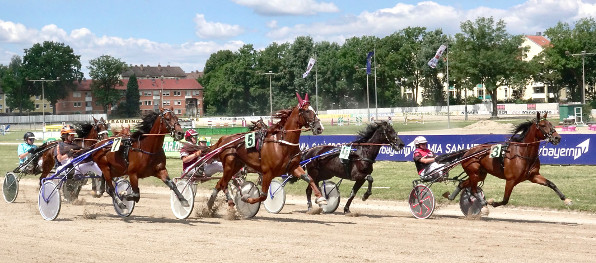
(190, 133)
(67, 129)
(419, 140)
(28, 135)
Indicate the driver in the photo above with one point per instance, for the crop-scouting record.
(425, 162)
(65, 150)
(25, 149)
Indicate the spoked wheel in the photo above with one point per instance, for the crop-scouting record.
(276, 197)
(187, 192)
(245, 209)
(331, 193)
(49, 200)
(123, 189)
(10, 187)
(422, 201)
(468, 203)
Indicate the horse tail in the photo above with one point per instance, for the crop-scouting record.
(450, 157)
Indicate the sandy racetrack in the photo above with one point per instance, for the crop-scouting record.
(383, 232)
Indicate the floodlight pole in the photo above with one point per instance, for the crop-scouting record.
(43, 110)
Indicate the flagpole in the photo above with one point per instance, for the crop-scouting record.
(448, 95)
(376, 105)
(316, 86)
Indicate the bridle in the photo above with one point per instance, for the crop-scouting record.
(549, 135)
(392, 143)
(170, 127)
(101, 134)
(310, 123)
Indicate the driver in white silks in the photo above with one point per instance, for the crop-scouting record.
(65, 150)
(424, 158)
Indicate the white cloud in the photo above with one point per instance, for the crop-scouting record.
(288, 7)
(272, 24)
(215, 30)
(527, 18)
(15, 33)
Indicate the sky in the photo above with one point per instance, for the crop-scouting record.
(185, 33)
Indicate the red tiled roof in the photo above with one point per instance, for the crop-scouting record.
(151, 84)
(539, 40)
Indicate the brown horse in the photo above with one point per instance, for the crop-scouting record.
(358, 167)
(519, 162)
(142, 155)
(279, 153)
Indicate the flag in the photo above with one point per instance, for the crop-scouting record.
(433, 61)
(311, 63)
(368, 58)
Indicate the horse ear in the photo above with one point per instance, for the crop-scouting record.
(306, 98)
(537, 117)
(299, 99)
(545, 114)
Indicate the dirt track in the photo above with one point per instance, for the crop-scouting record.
(383, 232)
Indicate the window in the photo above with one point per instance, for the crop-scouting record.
(147, 93)
(177, 93)
(87, 94)
(147, 102)
(36, 97)
(178, 111)
(88, 104)
(188, 93)
(178, 102)
(539, 89)
(0, 106)
(77, 104)
(76, 94)
(37, 106)
(195, 93)
(155, 92)
(1, 95)
(166, 93)
(166, 103)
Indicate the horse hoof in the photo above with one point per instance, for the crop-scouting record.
(446, 194)
(484, 211)
(568, 202)
(491, 201)
(365, 197)
(321, 201)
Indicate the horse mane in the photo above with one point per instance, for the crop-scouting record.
(365, 134)
(189, 147)
(83, 129)
(522, 129)
(145, 125)
(282, 115)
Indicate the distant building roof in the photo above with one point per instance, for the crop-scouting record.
(539, 40)
(151, 84)
(154, 72)
(194, 75)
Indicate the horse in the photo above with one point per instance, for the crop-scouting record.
(141, 155)
(520, 160)
(88, 134)
(277, 153)
(358, 167)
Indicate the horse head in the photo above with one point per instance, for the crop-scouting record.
(101, 127)
(309, 115)
(547, 130)
(391, 136)
(170, 120)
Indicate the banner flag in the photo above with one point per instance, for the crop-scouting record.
(311, 63)
(433, 61)
(368, 58)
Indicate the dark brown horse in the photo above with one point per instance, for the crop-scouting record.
(519, 162)
(279, 153)
(142, 155)
(88, 134)
(359, 166)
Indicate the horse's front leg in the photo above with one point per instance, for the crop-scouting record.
(308, 197)
(368, 192)
(300, 173)
(165, 178)
(355, 189)
(539, 179)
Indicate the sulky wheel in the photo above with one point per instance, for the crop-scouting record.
(245, 209)
(468, 203)
(422, 201)
(186, 189)
(331, 193)
(123, 189)
(276, 197)
(49, 200)
(10, 187)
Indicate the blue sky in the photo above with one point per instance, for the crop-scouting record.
(184, 33)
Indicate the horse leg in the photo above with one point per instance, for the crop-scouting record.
(355, 189)
(300, 173)
(368, 192)
(166, 180)
(308, 198)
(509, 184)
(539, 179)
(134, 184)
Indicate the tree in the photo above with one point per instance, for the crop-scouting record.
(18, 96)
(490, 55)
(51, 60)
(105, 72)
(132, 108)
